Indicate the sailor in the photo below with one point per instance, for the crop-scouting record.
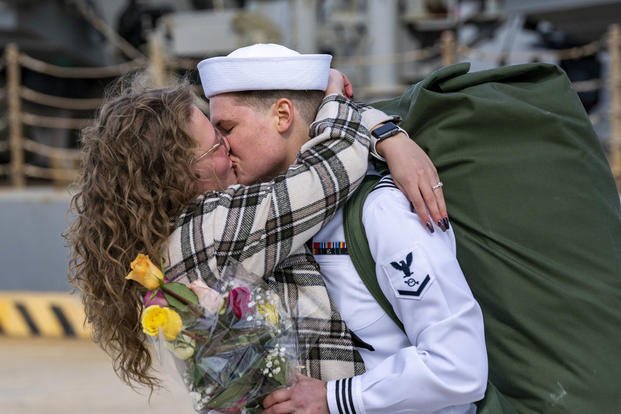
(438, 362)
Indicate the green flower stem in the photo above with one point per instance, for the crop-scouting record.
(193, 308)
(249, 339)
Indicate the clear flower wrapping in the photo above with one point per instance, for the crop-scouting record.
(235, 343)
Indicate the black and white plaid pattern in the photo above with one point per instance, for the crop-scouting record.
(265, 227)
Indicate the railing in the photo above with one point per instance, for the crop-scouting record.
(64, 162)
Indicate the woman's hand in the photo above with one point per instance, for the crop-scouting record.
(412, 170)
(339, 83)
(417, 177)
(307, 396)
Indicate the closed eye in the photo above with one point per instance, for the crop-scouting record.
(224, 129)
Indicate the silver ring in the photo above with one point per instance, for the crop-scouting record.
(435, 187)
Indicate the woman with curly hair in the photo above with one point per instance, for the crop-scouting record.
(152, 163)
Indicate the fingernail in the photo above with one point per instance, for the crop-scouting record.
(446, 222)
(430, 226)
(442, 225)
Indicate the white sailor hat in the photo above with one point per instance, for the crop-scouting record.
(264, 66)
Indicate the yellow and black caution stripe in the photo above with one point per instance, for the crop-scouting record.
(48, 314)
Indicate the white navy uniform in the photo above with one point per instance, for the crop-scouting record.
(439, 365)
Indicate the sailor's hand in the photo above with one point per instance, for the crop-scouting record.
(307, 396)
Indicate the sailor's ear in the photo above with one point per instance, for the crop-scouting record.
(284, 112)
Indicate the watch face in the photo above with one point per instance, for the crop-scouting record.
(387, 130)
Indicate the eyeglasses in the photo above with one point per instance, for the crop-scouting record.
(214, 148)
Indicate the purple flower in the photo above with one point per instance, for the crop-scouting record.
(238, 300)
(154, 297)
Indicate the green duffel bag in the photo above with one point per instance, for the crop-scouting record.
(537, 219)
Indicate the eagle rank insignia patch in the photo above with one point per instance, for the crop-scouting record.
(409, 274)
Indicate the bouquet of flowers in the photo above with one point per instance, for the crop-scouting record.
(234, 341)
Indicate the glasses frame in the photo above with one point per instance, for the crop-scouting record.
(214, 148)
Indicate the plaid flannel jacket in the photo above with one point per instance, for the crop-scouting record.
(265, 226)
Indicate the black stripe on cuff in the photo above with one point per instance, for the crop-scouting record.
(350, 399)
(337, 385)
(344, 398)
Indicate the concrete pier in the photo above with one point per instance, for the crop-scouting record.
(74, 376)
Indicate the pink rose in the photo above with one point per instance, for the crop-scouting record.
(238, 300)
(154, 299)
(208, 298)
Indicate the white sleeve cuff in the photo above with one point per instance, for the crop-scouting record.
(344, 396)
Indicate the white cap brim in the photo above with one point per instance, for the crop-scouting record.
(234, 74)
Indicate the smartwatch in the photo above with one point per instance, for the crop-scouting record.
(387, 130)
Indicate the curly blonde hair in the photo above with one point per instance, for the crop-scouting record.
(136, 177)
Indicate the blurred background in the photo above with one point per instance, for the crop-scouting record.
(58, 57)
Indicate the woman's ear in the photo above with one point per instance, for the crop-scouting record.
(284, 113)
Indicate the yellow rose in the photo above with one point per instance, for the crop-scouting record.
(173, 325)
(270, 313)
(145, 272)
(155, 318)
